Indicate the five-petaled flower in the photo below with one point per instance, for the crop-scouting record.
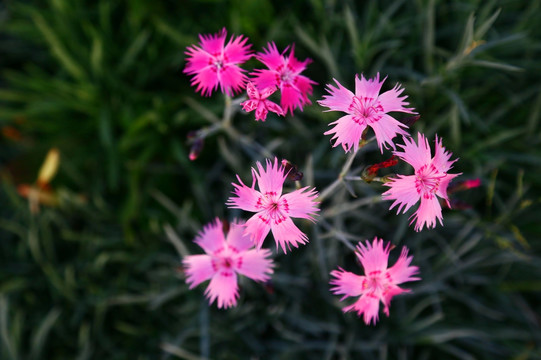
(367, 107)
(274, 210)
(284, 72)
(226, 256)
(215, 63)
(429, 181)
(378, 283)
(258, 101)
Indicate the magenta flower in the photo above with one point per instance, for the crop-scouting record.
(213, 63)
(379, 283)
(226, 256)
(258, 101)
(284, 72)
(273, 211)
(429, 181)
(367, 107)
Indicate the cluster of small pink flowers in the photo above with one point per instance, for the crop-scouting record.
(216, 64)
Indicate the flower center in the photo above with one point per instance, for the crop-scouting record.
(218, 61)
(365, 110)
(427, 180)
(272, 208)
(284, 75)
(376, 283)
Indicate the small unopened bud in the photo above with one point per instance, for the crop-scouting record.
(196, 148)
(225, 226)
(269, 287)
(191, 134)
(464, 185)
(292, 171)
(410, 120)
(371, 172)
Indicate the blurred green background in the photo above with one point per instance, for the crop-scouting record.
(96, 274)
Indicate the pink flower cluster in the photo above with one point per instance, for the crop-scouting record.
(229, 255)
(368, 108)
(216, 64)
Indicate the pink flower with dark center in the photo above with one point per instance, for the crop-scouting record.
(274, 210)
(258, 101)
(215, 63)
(284, 72)
(378, 283)
(367, 107)
(429, 182)
(226, 256)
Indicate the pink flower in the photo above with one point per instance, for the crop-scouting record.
(226, 256)
(429, 181)
(284, 73)
(273, 211)
(213, 63)
(258, 101)
(379, 283)
(365, 108)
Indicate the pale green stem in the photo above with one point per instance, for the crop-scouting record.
(329, 189)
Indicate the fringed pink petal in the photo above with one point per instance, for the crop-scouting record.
(346, 283)
(402, 191)
(368, 88)
(232, 80)
(373, 256)
(301, 203)
(339, 98)
(223, 287)
(264, 79)
(206, 81)
(237, 51)
(429, 210)
(444, 183)
(270, 57)
(211, 238)
(198, 268)
(392, 101)
(255, 264)
(237, 240)
(367, 305)
(386, 129)
(416, 154)
(391, 291)
(287, 234)
(257, 227)
(401, 271)
(442, 158)
(346, 132)
(271, 179)
(291, 98)
(213, 43)
(247, 198)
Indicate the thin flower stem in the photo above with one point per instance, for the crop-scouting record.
(329, 189)
(231, 106)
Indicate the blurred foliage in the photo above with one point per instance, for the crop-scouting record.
(96, 274)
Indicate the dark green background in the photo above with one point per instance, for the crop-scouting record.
(98, 277)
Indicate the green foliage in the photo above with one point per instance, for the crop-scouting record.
(97, 276)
